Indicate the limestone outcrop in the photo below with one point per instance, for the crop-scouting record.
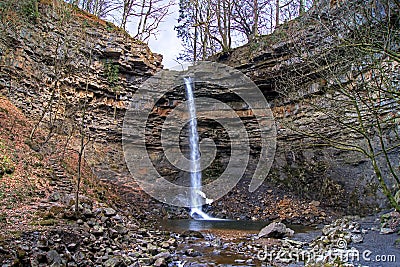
(62, 57)
(293, 67)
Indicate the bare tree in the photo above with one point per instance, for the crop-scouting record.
(210, 26)
(100, 8)
(302, 7)
(150, 15)
(61, 69)
(146, 14)
(277, 14)
(83, 131)
(128, 6)
(360, 107)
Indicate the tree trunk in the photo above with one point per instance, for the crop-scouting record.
(254, 31)
(302, 7)
(277, 13)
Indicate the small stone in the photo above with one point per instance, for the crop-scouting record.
(191, 233)
(117, 217)
(55, 197)
(87, 213)
(315, 203)
(41, 258)
(109, 212)
(104, 219)
(112, 262)
(192, 253)
(160, 262)
(72, 246)
(43, 245)
(165, 244)
(249, 261)
(385, 231)
(146, 261)
(98, 230)
(121, 229)
(357, 238)
(165, 255)
(53, 257)
(25, 247)
(153, 250)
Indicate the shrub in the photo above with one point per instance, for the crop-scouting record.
(30, 10)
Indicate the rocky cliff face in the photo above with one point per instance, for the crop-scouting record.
(59, 61)
(293, 67)
(60, 58)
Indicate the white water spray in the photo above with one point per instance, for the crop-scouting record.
(196, 194)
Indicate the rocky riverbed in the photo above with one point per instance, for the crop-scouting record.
(100, 235)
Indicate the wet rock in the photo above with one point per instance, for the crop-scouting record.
(165, 244)
(390, 222)
(54, 197)
(160, 262)
(276, 230)
(43, 245)
(292, 243)
(152, 249)
(192, 253)
(114, 261)
(98, 230)
(72, 246)
(357, 238)
(191, 233)
(54, 258)
(109, 212)
(386, 231)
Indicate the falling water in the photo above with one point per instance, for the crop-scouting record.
(196, 194)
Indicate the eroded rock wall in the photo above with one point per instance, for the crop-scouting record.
(64, 58)
(292, 67)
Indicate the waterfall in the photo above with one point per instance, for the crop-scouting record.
(196, 194)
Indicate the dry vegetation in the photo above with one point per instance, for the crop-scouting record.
(27, 174)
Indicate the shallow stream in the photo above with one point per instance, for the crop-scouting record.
(226, 242)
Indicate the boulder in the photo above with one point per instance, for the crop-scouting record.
(276, 230)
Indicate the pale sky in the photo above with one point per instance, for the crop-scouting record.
(167, 43)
